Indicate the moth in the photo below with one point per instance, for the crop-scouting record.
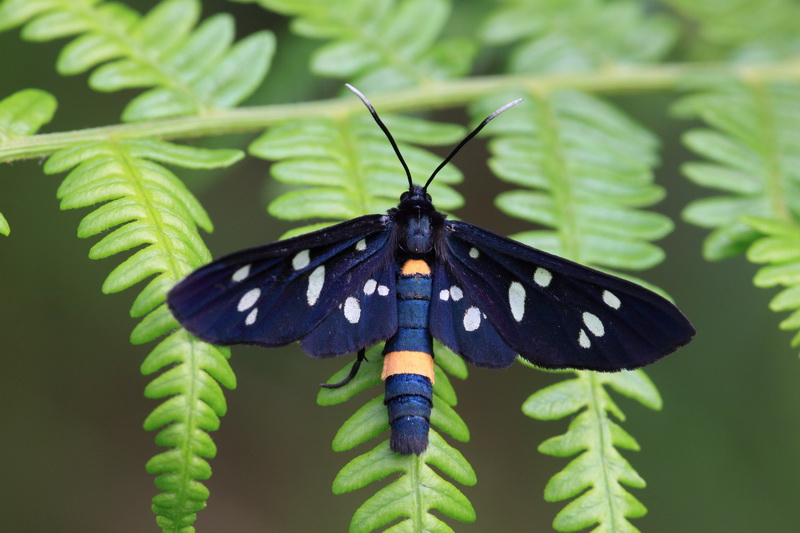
(411, 275)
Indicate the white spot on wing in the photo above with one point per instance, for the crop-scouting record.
(542, 277)
(315, 282)
(370, 286)
(474, 253)
(516, 300)
(352, 310)
(383, 290)
(249, 299)
(301, 260)
(594, 324)
(472, 319)
(583, 340)
(444, 295)
(611, 299)
(241, 274)
(361, 245)
(456, 293)
(251, 317)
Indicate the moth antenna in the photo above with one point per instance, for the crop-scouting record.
(467, 139)
(385, 130)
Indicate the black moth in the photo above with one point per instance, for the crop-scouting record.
(412, 275)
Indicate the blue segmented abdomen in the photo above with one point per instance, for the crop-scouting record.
(409, 399)
(408, 362)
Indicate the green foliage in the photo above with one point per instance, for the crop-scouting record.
(346, 167)
(596, 477)
(419, 488)
(22, 114)
(193, 70)
(146, 206)
(380, 44)
(585, 170)
(753, 152)
(578, 35)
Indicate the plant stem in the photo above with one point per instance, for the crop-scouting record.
(441, 94)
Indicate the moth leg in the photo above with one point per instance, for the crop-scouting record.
(353, 371)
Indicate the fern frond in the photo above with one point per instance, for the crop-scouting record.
(346, 168)
(380, 45)
(192, 70)
(752, 154)
(742, 30)
(146, 207)
(779, 247)
(578, 35)
(22, 114)
(419, 489)
(585, 170)
(598, 476)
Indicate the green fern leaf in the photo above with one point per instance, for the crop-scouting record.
(585, 170)
(22, 114)
(419, 489)
(596, 478)
(752, 151)
(146, 207)
(192, 70)
(779, 248)
(578, 35)
(380, 45)
(741, 30)
(347, 168)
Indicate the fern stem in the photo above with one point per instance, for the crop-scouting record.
(774, 178)
(439, 94)
(603, 433)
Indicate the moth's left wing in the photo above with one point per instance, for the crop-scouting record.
(288, 290)
(556, 313)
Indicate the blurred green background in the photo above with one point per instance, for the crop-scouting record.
(721, 456)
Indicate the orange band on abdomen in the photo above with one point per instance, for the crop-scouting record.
(416, 266)
(405, 362)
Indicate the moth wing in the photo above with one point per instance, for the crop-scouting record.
(280, 292)
(556, 313)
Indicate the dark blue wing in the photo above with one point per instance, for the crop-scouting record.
(459, 322)
(277, 293)
(556, 313)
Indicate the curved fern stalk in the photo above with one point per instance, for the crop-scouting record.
(346, 168)
(584, 170)
(22, 114)
(754, 150)
(380, 45)
(419, 489)
(578, 35)
(146, 206)
(193, 70)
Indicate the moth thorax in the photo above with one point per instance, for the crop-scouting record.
(417, 236)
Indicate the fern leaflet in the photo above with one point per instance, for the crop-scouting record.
(599, 470)
(419, 489)
(578, 35)
(22, 114)
(754, 153)
(146, 207)
(585, 170)
(346, 168)
(380, 45)
(192, 70)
